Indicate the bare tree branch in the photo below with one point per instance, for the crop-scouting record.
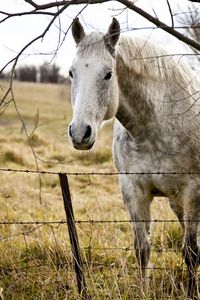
(32, 3)
(161, 25)
(33, 12)
(11, 92)
(129, 4)
(46, 6)
(41, 36)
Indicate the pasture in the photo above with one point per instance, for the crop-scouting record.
(35, 260)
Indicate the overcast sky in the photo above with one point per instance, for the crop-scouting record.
(16, 32)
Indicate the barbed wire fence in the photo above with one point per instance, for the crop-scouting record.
(72, 222)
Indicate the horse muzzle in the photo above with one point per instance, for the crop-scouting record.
(81, 137)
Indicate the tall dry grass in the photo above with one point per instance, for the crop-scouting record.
(35, 259)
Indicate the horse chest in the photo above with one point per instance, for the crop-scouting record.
(149, 158)
(130, 156)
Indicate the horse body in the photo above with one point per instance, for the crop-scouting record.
(157, 129)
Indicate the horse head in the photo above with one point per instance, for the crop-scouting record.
(94, 93)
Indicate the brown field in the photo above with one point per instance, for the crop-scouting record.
(35, 259)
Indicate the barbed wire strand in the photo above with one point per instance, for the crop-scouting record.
(95, 173)
(90, 221)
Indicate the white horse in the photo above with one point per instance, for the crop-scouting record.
(155, 100)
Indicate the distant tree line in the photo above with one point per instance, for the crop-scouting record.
(46, 73)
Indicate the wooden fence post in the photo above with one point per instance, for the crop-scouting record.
(78, 265)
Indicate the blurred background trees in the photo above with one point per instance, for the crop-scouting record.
(45, 73)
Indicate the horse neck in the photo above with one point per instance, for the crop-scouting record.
(136, 111)
(144, 111)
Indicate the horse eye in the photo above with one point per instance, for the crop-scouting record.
(108, 76)
(70, 74)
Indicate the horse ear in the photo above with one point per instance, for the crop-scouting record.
(77, 31)
(113, 33)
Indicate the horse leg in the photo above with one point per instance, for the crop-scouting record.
(177, 208)
(137, 201)
(191, 255)
(191, 250)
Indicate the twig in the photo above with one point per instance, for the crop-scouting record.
(33, 12)
(170, 11)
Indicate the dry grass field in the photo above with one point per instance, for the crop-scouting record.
(35, 259)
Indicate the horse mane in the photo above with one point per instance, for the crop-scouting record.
(147, 59)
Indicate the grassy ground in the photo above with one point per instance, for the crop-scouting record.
(35, 259)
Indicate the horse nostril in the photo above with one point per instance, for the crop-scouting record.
(87, 133)
(70, 131)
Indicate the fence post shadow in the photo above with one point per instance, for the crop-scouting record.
(78, 265)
